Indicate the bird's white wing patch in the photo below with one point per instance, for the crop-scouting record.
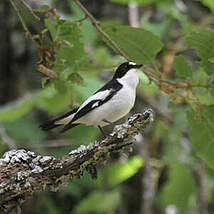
(132, 63)
(98, 96)
(95, 104)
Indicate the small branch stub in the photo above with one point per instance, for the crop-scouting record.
(23, 173)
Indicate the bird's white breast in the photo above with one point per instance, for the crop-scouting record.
(131, 79)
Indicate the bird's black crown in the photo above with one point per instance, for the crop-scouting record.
(124, 68)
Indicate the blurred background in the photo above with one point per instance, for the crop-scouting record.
(162, 174)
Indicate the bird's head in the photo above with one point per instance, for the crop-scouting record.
(124, 69)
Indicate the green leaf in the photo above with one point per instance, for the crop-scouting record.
(70, 55)
(180, 187)
(51, 26)
(202, 133)
(139, 44)
(203, 42)
(89, 34)
(182, 67)
(100, 202)
(70, 32)
(119, 172)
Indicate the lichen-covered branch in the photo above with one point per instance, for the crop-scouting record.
(23, 173)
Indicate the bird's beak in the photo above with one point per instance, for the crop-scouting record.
(138, 65)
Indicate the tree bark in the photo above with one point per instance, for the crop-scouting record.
(23, 173)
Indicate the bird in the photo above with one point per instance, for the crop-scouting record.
(107, 105)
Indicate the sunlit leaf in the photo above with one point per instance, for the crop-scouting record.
(119, 172)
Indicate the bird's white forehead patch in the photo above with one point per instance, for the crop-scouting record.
(132, 63)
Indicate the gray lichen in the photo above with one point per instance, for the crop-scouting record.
(121, 130)
(37, 169)
(79, 150)
(35, 172)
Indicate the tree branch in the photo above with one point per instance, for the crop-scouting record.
(23, 173)
(100, 30)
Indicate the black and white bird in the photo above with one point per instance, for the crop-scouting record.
(107, 105)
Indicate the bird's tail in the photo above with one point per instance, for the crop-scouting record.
(56, 122)
(49, 125)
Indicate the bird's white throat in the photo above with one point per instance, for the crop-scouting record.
(131, 78)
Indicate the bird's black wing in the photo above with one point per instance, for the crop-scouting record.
(113, 86)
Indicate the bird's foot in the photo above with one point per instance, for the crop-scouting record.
(102, 131)
(109, 122)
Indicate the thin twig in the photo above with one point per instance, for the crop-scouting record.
(48, 72)
(20, 17)
(30, 10)
(100, 30)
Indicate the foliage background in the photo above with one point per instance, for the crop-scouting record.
(171, 168)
